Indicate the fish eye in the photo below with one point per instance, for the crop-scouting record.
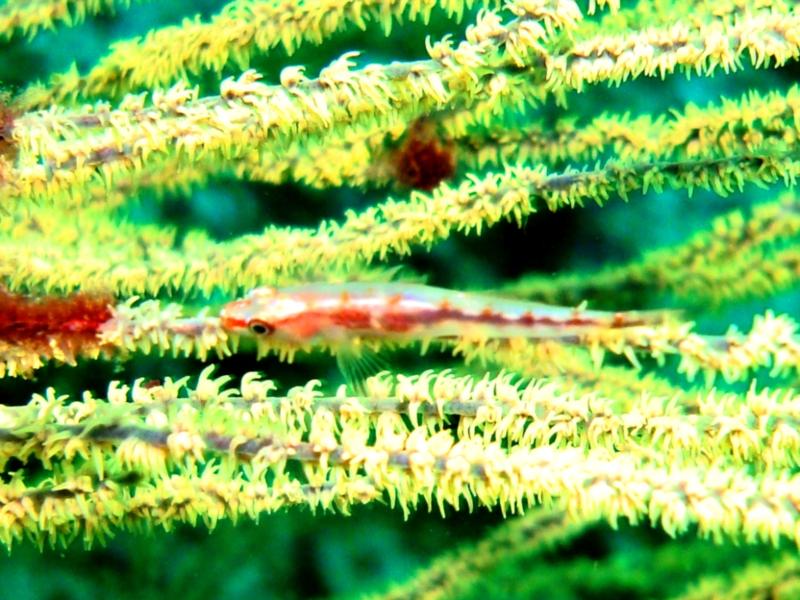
(260, 327)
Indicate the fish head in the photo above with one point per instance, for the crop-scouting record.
(261, 312)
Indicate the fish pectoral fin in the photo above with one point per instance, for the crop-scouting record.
(357, 364)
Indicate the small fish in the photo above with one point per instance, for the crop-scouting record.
(336, 314)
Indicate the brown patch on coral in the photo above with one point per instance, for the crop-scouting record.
(8, 149)
(423, 162)
(7, 116)
(48, 324)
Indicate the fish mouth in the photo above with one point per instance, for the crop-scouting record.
(230, 320)
(232, 323)
(231, 317)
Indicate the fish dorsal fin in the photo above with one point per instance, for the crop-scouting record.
(357, 363)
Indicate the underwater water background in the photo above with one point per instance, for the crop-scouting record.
(294, 553)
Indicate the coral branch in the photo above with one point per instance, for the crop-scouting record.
(31, 16)
(741, 255)
(286, 255)
(57, 511)
(241, 29)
